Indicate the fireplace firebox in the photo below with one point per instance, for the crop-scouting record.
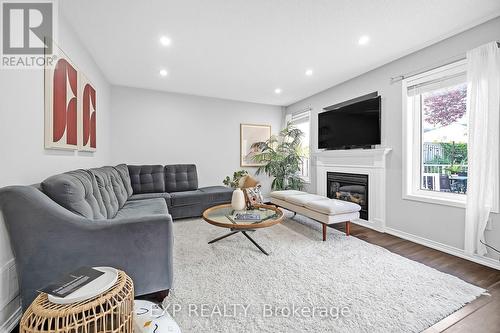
(349, 187)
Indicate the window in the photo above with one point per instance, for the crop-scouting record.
(301, 120)
(435, 129)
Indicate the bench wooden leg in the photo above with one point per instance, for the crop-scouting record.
(324, 231)
(347, 228)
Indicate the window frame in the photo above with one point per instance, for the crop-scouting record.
(293, 117)
(412, 140)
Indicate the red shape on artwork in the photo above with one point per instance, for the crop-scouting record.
(71, 131)
(59, 98)
(93, 138)
(89, 116)
(64, 110)
(86, 114)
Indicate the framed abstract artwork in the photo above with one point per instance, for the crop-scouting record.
(249, 135)
(70, 106)
(61, 95)
(86, 114)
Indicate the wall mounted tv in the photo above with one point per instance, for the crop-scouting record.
(350, 125)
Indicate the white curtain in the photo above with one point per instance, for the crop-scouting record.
(483, 107)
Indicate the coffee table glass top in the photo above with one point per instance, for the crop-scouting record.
(226, 216)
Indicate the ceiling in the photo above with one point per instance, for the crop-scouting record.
(245, 49)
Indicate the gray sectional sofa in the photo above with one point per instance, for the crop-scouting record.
(178, 186)
(117, 216)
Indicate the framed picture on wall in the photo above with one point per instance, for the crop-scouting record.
(87, 114)
(249, 135)
(70, 105)
(61, 95)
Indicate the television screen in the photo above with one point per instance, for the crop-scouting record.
(350, 126)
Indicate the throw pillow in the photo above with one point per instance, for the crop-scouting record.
(253, 196)
(250, 182)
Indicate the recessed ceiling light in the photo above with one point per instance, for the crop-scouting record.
(163, 72)
(165, 41)
(309, 72)
(277, 91)
(363, 40)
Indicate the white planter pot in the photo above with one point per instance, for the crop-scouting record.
(238, 200)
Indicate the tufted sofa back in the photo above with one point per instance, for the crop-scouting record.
(112, 189)
(158, 178)
(100, 193)
(147, 178)
(95, 194)
(76, 191)
(181, 177)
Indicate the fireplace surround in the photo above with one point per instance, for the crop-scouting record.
(370, 163)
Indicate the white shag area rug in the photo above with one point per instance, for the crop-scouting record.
(304, 285)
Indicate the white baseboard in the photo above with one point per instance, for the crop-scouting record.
(444, 248)
(368, 224)
(11, 323)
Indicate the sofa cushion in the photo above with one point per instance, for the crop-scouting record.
(333, 206)
(186, 198)
(211, 195)
(142, 196)
(218, 194)
(139, 208)
(181, 177)
(123, 172)
(76, 191)
(303, 199)
(113, 191)
(147, 178)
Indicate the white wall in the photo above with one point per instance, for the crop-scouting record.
(23, 157)
(151, 127)
(442, 224)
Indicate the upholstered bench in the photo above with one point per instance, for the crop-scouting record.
(317, 207)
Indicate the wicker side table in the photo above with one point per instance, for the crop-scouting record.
(111, 311)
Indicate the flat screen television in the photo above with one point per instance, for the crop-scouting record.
(356, 125)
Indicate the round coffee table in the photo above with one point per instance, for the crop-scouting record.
(224, 216)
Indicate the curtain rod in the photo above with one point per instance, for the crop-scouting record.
(445, 62)
(308, 108)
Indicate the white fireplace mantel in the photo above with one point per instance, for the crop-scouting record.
(371, 162)
(374, 158)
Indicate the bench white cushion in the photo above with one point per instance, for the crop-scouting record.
(320, 217)
(282, 195)
(333, 207)
(304, 199)
(315, 206)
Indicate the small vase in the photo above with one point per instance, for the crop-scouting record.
(238, 200)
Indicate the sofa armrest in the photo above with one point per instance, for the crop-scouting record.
(48, 240)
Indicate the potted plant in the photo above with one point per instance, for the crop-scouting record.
(237, 175)
(282, 156)
(454, 169)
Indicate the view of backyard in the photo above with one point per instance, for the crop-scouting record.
(444, 139)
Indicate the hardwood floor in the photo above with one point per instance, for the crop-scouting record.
(482, 315)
